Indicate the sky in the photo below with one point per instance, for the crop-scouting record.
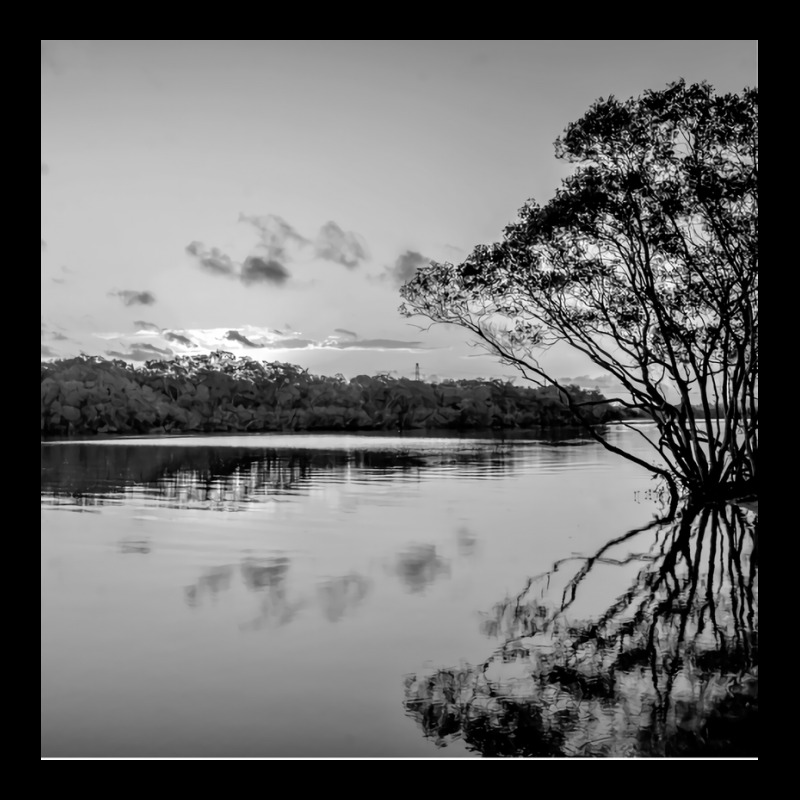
(268, 198)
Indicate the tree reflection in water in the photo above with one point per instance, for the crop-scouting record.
(668, 670)
(81, 476)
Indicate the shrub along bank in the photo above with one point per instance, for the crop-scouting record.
(219, 392)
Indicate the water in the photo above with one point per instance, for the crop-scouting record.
(305, 596)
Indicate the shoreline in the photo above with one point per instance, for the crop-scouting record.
(87, 396)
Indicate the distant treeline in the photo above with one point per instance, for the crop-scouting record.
(219, 392)
(716, 411)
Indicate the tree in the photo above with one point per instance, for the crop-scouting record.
(646, 261)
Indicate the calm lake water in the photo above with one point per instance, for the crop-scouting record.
(343, 596)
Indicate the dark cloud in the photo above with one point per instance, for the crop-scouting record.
(405, 267)
(131, 298)
(48, 351)
(282, 344)
(116, 354)
(213, 260)
(45, 169)
(292, 344)
(235, 336)
(254, 270)
(259, 270)
(153, 349)
(44, 244)
(136, 355)
(345, 332)
(276, 234)
(267, 263)
(59, 337)
(141, 325)
(333, 244)
(176, 337)
(140, 352)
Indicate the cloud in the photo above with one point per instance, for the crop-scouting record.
(335, 344)
(276, 235)
(48, 351)
(176, 337)
(345, 332)
(333, 244)
(254, 270)
(131, 298)
(247, 338)
(406, 266)
(213, 260)
(53, 335)
(292, 344)
(278, 243)
(153, 349)
(235, 336)
(45, 169)
(136, 355)
(259, 270)
(141, 325)
(140, 352)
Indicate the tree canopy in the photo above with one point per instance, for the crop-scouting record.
(646, 261)
(218, 392)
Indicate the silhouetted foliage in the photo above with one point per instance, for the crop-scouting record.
(220, 393)
(646, 261)
(182, 476)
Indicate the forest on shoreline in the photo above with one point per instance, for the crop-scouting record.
(222, 393)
